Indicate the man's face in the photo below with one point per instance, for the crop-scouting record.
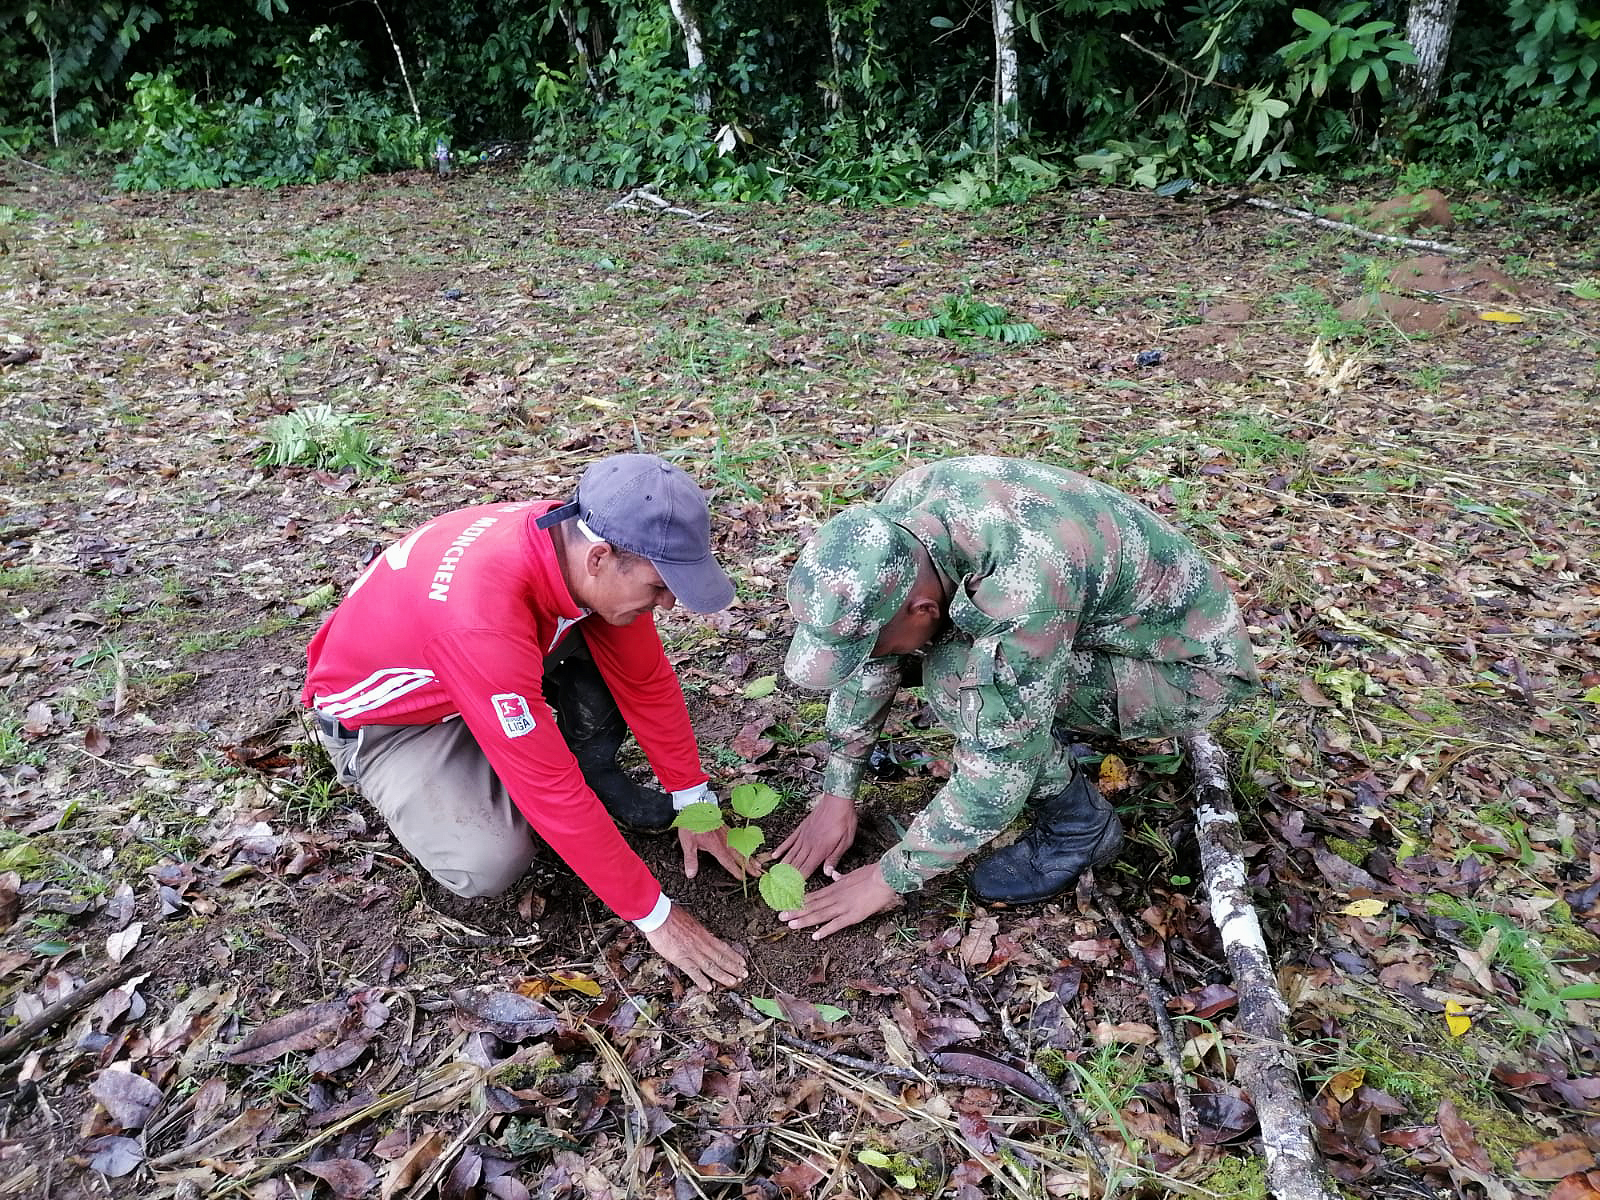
(908, 630)
(626, 587)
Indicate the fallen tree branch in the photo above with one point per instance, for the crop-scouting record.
(1390, 239)
(645, 201)
(20, 1038)
(1266, 1063)
(1171, 1052)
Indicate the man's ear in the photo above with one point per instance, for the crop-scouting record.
(596, 556)
(925, 606)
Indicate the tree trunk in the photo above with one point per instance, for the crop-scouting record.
(1005, 72)
(1429, 24)
(581, 51)
(694, 46)
(833, 91)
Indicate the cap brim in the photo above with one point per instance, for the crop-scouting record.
(701, 587)
(820, 664)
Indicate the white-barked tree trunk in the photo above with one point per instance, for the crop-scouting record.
(1005, 72)
(1429, 24)
(694, 47)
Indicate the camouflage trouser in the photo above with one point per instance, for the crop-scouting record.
(1110, 696)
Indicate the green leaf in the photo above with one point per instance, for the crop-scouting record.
(746, 840)
(941, 22)
(927, 327)
(698, 818)
(905, 1179)
(770, 1007)
(1358, 77)
(317, 598)
(1311, 21)
(51, 949)
(874, 1158)
(1580, 991)
(20, 857)
(753, 801)
(758, 688)
(831, 1012)
(783, 888)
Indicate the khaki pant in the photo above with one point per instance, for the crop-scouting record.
(443, 801)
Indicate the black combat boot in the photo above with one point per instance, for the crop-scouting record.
(588, 717)
(1075, 830)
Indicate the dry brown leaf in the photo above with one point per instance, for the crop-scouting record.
(305, 1029)
(408, 1168)
(980, 1064)
(120, 944)
(977, 947)
(1126, 1033)
(1569, 1154)
(10, 904)
(129, 1098)
(349, 1178)
(1114, 775)
(1578, 1187)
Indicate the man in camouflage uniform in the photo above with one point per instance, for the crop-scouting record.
(1039, 599)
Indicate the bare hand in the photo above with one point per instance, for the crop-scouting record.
(694, 949)
(853, 898)
(715, 844)
(823, 837)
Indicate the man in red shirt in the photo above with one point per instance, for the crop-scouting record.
(475, 682)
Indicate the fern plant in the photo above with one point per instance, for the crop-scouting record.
(319, 436)
(962, 318)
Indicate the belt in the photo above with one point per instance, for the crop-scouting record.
(332, 728)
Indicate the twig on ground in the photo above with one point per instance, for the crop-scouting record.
(20, 1038)
(1390, 239)
(1266, 1063)
(1171, 1053)
(886, 1071)
(645, 200)
(1069, 1115)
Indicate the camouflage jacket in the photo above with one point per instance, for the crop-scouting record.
(1061, 585)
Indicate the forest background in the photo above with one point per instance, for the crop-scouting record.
(856, 100)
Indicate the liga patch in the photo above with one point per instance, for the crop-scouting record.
(516, 718)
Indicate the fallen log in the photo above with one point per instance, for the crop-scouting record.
(1266, 1064)
(24, 1035)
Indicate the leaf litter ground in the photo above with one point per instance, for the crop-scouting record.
(1408, 516)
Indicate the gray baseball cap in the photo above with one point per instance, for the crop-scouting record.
(649, 507)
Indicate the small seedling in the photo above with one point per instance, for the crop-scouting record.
(902, 1167)
(782, 887)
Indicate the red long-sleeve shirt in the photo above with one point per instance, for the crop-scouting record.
(456, 619)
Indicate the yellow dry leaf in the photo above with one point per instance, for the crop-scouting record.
(1455, 1018)
(1113, 774)
(577, 982)
(1346, 1083)
(1363, 908)
(1508, 318)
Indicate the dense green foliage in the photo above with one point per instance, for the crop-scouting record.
(850, 99)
